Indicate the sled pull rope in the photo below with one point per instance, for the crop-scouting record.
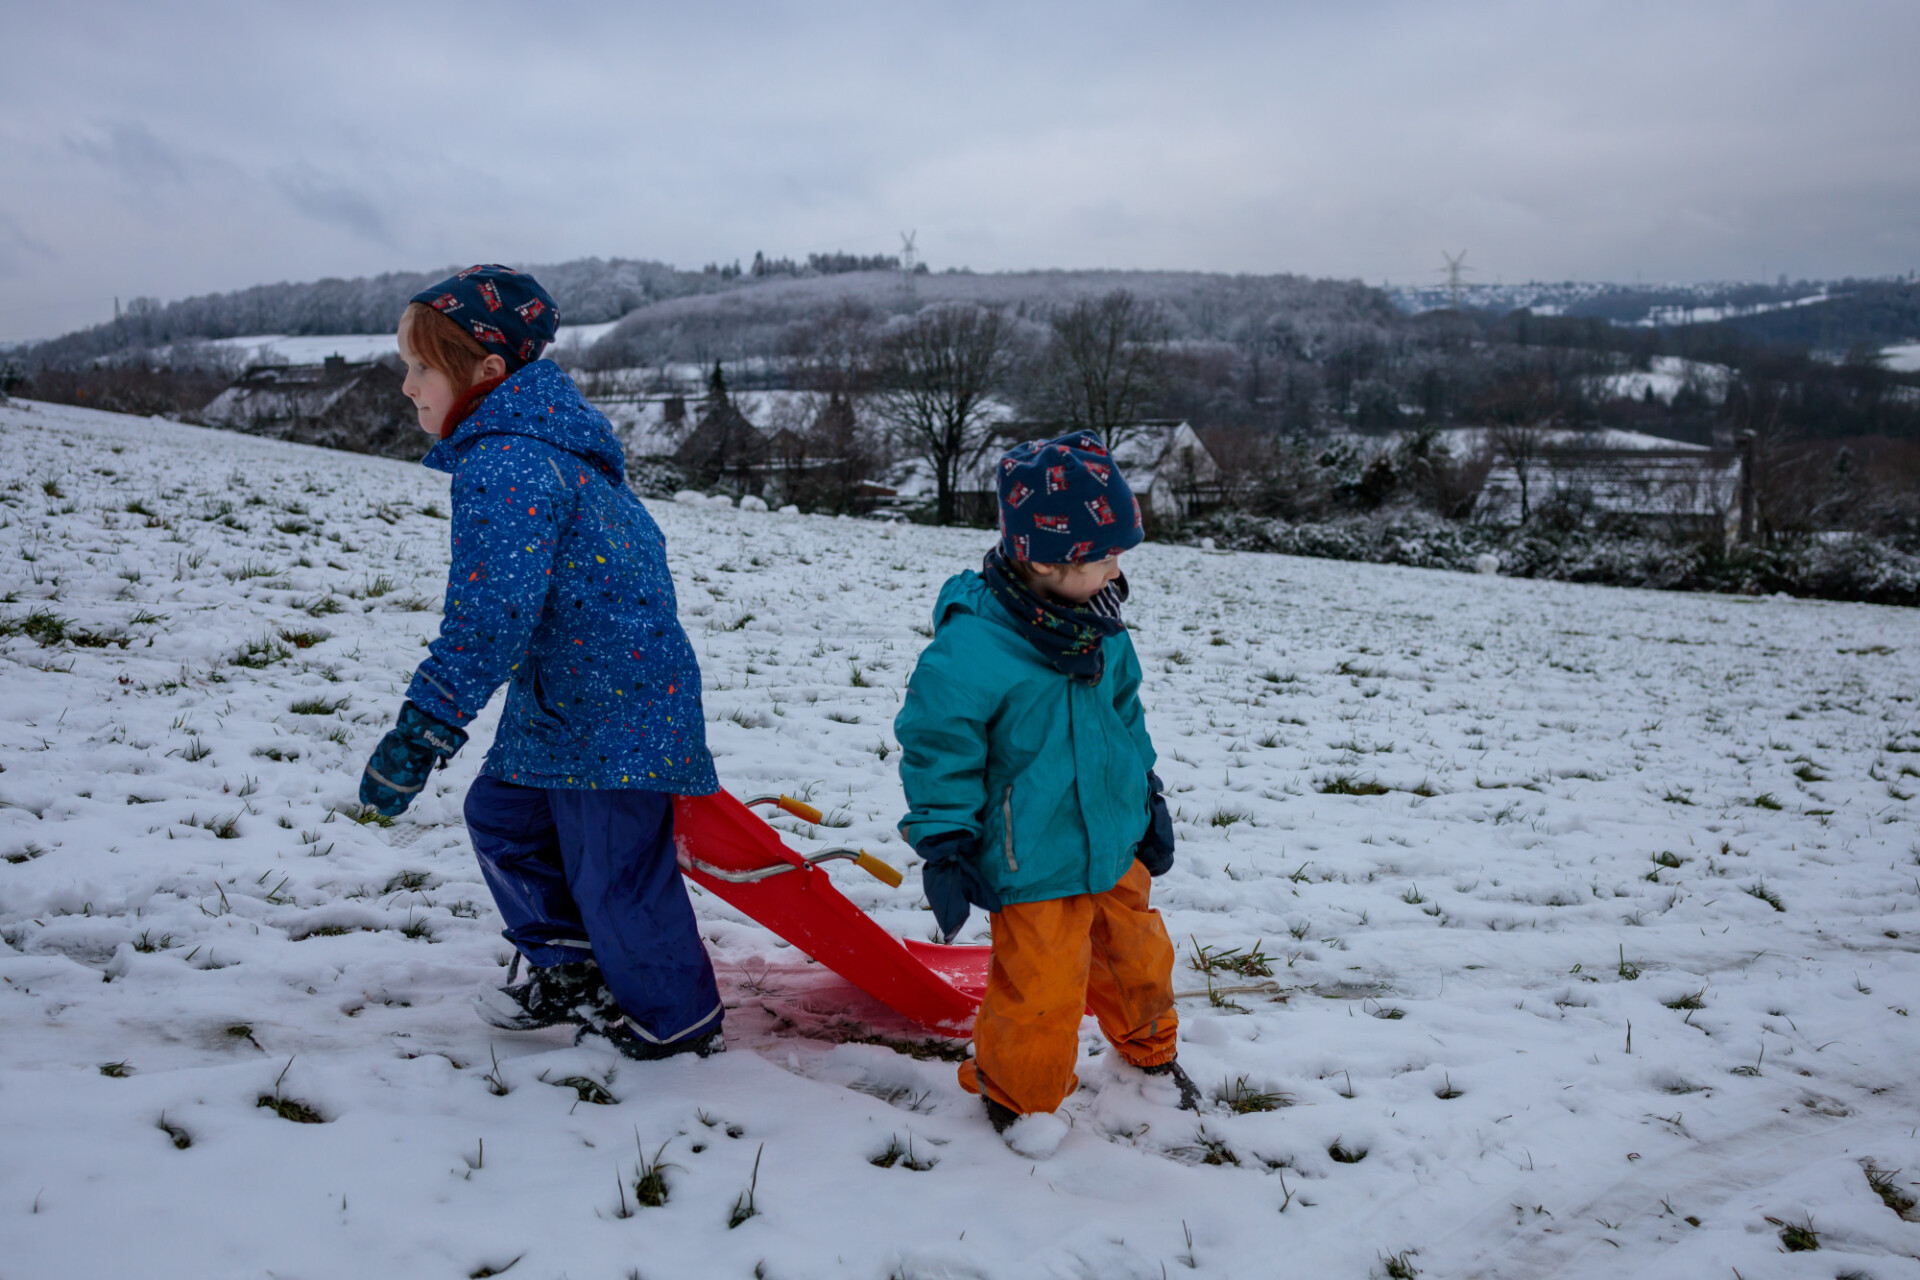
(798, 808)
(859, 857)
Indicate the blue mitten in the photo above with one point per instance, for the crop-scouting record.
(1155, 850)
(400, 764)
(952, 881)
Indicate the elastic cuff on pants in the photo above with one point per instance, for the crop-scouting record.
(704, 1025)
(544, 955)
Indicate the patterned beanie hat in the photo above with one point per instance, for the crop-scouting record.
(506, 311)
(1064, 501)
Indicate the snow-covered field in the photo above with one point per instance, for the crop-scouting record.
(313, 348)
(1606, 970)
(1904, 358)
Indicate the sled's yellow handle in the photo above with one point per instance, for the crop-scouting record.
(800, 809)
(877, 869)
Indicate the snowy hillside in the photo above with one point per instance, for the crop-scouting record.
(1591, 918)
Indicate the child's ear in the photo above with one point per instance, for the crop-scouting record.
(492, 367)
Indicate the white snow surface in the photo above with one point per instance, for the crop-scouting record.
(312, 348)
(1904, 358)
(1479, 1017)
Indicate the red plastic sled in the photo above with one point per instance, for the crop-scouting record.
(726, 849)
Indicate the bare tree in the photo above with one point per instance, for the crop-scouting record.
(1102, 364)
(934, 376)
(1524, 412)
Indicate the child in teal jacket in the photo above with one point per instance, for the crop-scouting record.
(1028, 771)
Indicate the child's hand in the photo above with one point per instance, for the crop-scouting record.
(952, 881)
(1156, 847)
(400, 764)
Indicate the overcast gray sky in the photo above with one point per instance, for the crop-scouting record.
(179, 148)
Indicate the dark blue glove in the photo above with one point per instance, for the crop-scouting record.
(1155, 850)
(400, 764)
(952, 881)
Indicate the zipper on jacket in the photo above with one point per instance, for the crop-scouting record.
(1006, 818)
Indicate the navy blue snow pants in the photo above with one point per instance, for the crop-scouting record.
(579, 873)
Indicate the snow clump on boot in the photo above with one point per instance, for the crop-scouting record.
(1036, 1135)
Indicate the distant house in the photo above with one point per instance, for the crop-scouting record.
(1657, 484)
(337, 404)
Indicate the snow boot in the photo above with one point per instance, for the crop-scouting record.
(1189, 1091)
(629, 1042)
(550, 996)
(999, 1115)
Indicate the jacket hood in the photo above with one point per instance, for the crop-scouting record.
(964, 592)
(539, 401)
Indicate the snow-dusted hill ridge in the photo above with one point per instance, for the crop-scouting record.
(1610, 961)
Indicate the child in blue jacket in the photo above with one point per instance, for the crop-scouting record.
(1028, 772)
(559, 589)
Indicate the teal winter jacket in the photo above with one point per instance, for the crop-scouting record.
(1049, 774)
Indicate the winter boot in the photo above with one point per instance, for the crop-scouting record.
(1189, 1091)
(999, 1115)
(629, 1042)
(549, 996)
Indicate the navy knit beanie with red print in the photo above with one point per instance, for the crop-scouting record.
(1065, 502)
(506, 311)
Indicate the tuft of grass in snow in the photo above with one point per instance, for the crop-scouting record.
(1248, 964)
(744, 1208)
(1797, 1237)
(1344, 1154)
(181, 1138)
(1759, 890)
(1691, 1000)
(1882, 1182)
(1347, 784)
(261, 653)
(1242, 1099)
(895, 1154)
(1399, 1266)
(1765, 800)
(318, 706)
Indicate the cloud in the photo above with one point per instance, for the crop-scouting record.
(130, 151)
(335, 202)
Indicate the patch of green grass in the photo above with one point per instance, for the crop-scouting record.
(248, 569)
(318, 706)
(1797, 1238)
(1347, 784)
(368, 816)
(1400, 1266)
(1243, 1099)
(116, 1070)
(1692, 1000)
(1883, 1184)
(895, 1154)
(1226, 817)
(259, 654)
(1343, 1154)
(1766, 895)
(1669, 859)
(1254, 963)
(302, 639)
(321, 606)
(290, 1109)
(1765, 800)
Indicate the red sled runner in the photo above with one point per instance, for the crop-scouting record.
(726, 849)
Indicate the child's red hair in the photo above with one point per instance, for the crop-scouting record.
(439, 343)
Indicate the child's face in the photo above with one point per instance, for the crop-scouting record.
(431, 391)
(1075, 584)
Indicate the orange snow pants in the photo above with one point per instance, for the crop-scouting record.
(1052, 962)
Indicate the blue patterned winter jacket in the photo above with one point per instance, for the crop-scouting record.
(559, 587)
